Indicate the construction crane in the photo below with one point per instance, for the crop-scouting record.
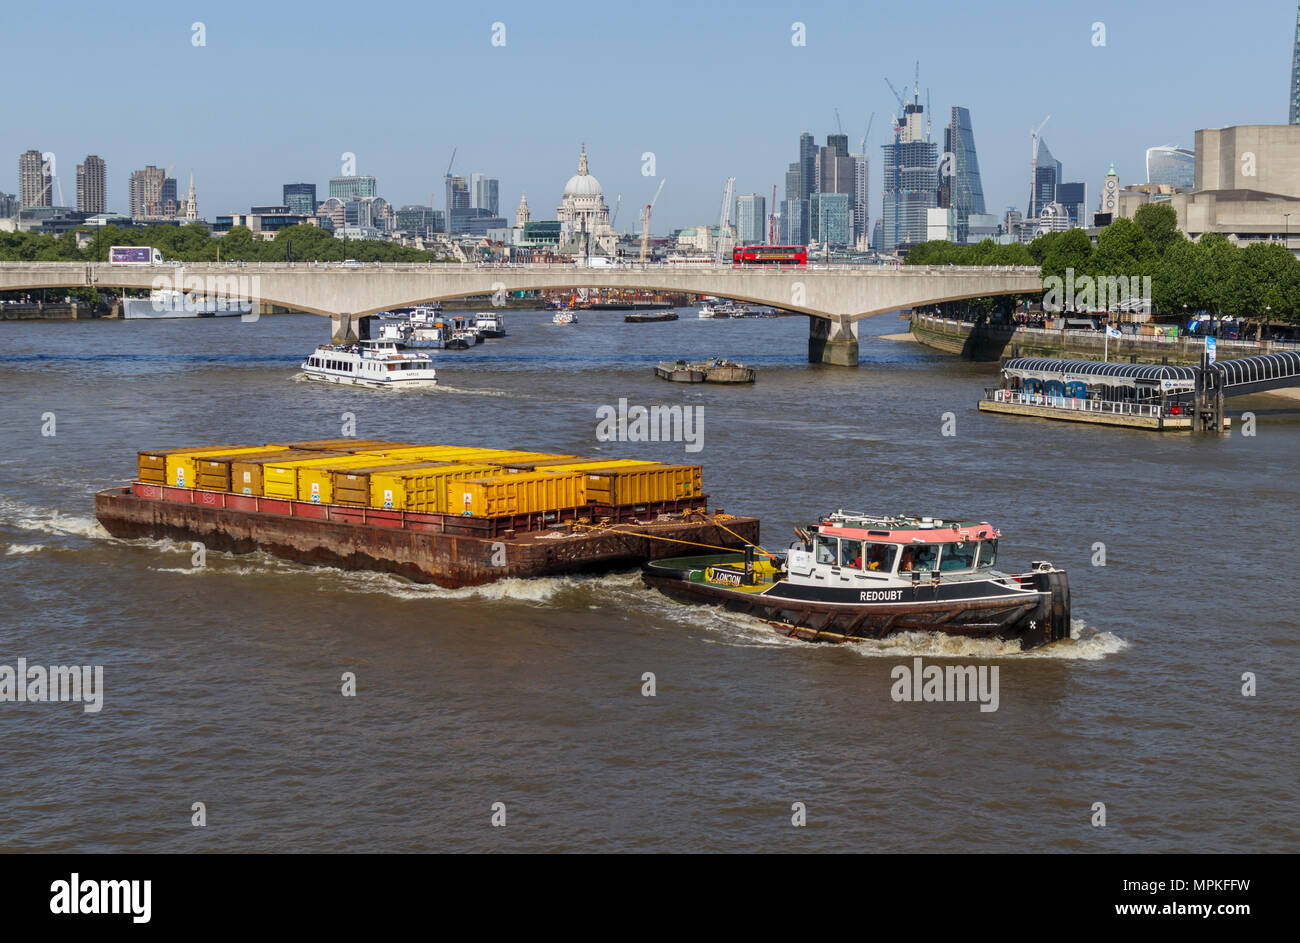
(617, 206)
(645, 221)
(898, 180)
(862, 147)
(724, 218)
(839, 124)
(1034, 138)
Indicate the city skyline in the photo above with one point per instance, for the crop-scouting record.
(404, 143)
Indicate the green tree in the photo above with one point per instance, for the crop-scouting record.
(1159, 223)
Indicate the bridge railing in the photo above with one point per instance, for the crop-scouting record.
(664, 267)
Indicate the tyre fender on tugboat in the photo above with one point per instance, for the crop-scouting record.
(1050, 622)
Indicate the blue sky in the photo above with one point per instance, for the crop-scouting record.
(714, 89)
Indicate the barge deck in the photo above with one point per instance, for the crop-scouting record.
(446, 549)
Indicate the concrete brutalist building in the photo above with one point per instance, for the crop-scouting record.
(1247, 185)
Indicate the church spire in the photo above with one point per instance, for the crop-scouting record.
(582, 159)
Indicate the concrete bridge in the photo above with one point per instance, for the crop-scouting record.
(835, 297)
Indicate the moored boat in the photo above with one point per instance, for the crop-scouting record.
(853, 576)
(489, 324)
(649, 317)
(716, 370)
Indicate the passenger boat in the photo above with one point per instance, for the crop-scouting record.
(372, 363)
(490, 325)
(564, 317)
(853, 576)
(714, 311)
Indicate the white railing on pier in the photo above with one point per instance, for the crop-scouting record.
(1074, 404)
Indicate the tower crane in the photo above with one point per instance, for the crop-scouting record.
(724, 218)
(645, 220)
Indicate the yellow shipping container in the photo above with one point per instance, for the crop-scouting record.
(550, 464)
(352, 485)
(247, 471)
(341, 445)
(420, 487)
(597, 463)
(316, 479)
(427, 453)
(214, 473)
(628, 485)
(151, 464)
(280, 479)
(526, 493)
(180, 465)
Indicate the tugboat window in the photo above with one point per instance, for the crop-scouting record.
(958, 556)
(920, 557)
(880, 557)
(826, 549)
(851, 553)
(988, 552)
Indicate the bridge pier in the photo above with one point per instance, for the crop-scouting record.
(833, 341)
(345, 329)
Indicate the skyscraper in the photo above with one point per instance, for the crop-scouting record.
(793, 190)
(149, 193)
(92, 186)
(1046, 176)
(1295, 73)
(831, 219)
(353, 188)
(457, 198)
(807, 166)
(963, 189)
(34, 182)
(911, 181)
(486, 193)
(751, 219)
(794, 223)
(300, 198)
(1174, 166)
(861, 198)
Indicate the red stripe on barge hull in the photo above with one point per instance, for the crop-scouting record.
(448, 550)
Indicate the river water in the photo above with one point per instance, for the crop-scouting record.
(222, 682)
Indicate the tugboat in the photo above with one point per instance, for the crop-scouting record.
(853, 576)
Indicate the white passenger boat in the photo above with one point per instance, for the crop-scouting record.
(724, 310)
(373, 363)
(489, 324)
(564, 317)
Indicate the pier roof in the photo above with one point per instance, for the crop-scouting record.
(1114, 374)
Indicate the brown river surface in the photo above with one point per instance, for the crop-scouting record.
(222, 682)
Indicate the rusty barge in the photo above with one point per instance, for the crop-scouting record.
(451, 550)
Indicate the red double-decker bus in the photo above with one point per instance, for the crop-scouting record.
(769, 255)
